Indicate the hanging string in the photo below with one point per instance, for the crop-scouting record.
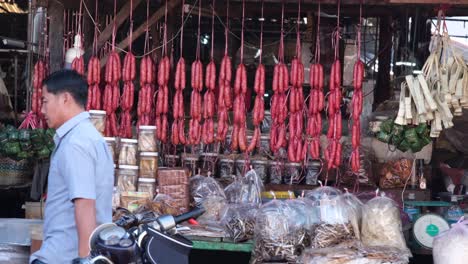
(337, 33)
(113, 26)
(79, 31)
(182, 30)
(212, 29)
(298, 35)
(359, 32)
(198, 35)
(261, 35)
(317, 40)
(242, 32)
(226, 29)
(146, 46)
(131, 27)
(281, 51)
(164, 51)
(96, 18)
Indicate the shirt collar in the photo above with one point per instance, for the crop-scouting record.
(67, 126)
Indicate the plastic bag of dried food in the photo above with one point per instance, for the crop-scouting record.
(164, 204)
(335, 224)
(272, 239)
(381, 224)
(354, 208)
(451, 246)
(202, 187)
(214, 210)
(246, 189)
(301, 216)
(239, 221)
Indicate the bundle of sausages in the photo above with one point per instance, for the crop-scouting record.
(196, 103)
(209, 104)
(224, 97)
(39, 75)
(112, 93)
(146, 93)
(356, 113)
(178, 133)
(316, 104)
(333, 152)
(94, 78)
(259, 106)
(78, 65)
(162, 100)
(239, 139)
(128, 75)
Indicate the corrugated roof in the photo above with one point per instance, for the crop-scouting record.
(10, 8)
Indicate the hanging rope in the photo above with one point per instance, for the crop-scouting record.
(212, 29)
(198, 34)
(261, 34)
(182, 30)
(317, 41)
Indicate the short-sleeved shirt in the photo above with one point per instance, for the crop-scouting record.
(81, 166)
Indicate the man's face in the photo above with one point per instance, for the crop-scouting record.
(53, 108)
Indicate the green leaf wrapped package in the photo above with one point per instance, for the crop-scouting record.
(12, 148)
(411, 136)
(403, 146)
(43, 153)
(384, 137)
(13, 135)
(386, 126)
(23, 135)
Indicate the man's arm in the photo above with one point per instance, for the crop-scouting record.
(85, 217)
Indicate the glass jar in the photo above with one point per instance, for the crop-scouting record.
(149, 164)
(312, 172)
(261, 168)
(226, 167)
(147, 185)
(209, 161)
(241, 167)
(171, 161)
(293, 173)
(98, 118)
(147, 139)
(264, 144)
(191, 163)
(128, 151)
(276, 172)
(112, 144)
(127, 177)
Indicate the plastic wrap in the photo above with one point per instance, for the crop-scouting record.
(335, 224)
(394, 174)
(239, 221)
(364, 175)
(163, 204)
(214, 210)
(451, 246)
(202, 187)
(272, 239)
(381, 224)
(246, 189)
(302, 215)
(354, 208)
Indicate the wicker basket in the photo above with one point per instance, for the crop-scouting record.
(14, 172)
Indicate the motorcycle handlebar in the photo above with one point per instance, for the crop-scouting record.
(192, 214)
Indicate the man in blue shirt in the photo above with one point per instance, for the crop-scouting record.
(81, 174)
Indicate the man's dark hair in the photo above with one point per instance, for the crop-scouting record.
(68, 81)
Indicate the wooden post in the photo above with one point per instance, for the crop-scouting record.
(55, 12)
(383, 89)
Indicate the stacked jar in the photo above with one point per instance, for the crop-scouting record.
(148, 160)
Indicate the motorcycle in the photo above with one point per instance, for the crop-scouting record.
(154, 242)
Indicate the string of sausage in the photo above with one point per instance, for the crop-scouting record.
(224, 83)
(209, 103)
(178, 126)
(297, 150)
(78, 62)
(278, 107)
(40, 72)
(197, 86)
(128, 75)
(333, 152)
(239, 138)
(112, 91)
(94, 74)
(357, 102)
(259, 88)
(162, 100)
(316, 98)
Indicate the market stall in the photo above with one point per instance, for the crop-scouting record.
(292, 125)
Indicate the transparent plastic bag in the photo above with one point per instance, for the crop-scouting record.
(202, 187)
(381, 224)
(272, 239)
(354, 211)
(335, 224)
(246, 189)
(239, 221)
(451, 246)
(301, 216)
(214, 210)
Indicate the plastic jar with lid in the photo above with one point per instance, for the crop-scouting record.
(149, 164)
(276, 172)
(147, 139)
(312, 172)
(98, 118)
(261, 167)
(171, 161)
(127, 178)
(191, 163)
(209, 161)
(292, 173)
(147, 185)
(112, 143)
(128, 151)
(226, 167)
(241, 167)
(264, 144)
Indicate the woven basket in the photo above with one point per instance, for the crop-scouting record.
(14, 172)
